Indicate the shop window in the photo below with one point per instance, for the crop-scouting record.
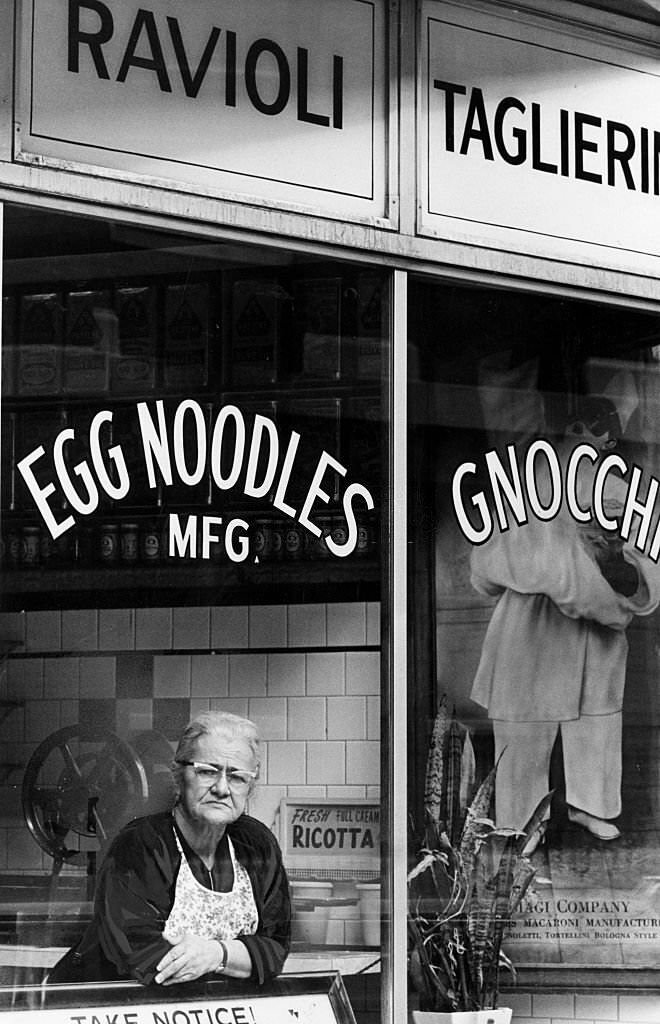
(534, 557)
(193, 446)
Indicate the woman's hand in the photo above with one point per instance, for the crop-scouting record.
(189, 958)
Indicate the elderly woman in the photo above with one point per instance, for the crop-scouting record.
(199, 890)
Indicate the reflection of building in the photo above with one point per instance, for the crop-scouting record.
(269, 215)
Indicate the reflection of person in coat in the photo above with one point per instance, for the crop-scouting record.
(554, 656)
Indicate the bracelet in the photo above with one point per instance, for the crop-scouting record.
(223, 963)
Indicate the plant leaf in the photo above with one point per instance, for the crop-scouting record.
(433, 783)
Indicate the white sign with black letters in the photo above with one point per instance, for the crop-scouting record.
(282, 103)
(529, 132)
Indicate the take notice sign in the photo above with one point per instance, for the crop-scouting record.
(266, 1010)
(301, 998)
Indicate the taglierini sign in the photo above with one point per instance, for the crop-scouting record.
(281, 102)
(527, 131)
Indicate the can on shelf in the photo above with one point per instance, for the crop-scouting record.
(293, 542)
(278, 530)
(262, 539)
(13, 547)
(108, 543)
(319, 548)
(149, 543)
(128, 543)
(30, 543)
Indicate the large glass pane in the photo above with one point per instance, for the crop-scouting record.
(192, 487)
(534, 584)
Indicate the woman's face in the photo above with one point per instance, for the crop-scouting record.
(217, 798)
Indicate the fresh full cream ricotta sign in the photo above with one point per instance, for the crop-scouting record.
(279, 103)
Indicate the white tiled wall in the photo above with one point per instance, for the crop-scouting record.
(308, 675)
(565, 1007)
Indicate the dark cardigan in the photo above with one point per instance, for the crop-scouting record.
(135, 893)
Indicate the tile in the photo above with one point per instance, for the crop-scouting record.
(247, 675)
(347, 718)
(286, 763)
(229, 627)
(362, 672)
(306, 792)
(325, 673)
(373, 718)
(265, 802)
(306, 718)
(135, 674)
(171, 675)
(286, 675)
(69, 712)
(363, 762)
(235, 706)
(133, 716)
(373, 623)
(153, 629)
(554, 1004)
(97, 714)
(209, 675)
(116, 629)
(268, 626)
(198, 705)
(326, 763)
(43, 631)
(596, 1007)
(191, 628)
(347, 624)
(12, 630)
(638, 1009)
(42, 717)
(307, 625)
(25, 678)
(519, 1002)
(12, 727)
(171, 715)
(61, 677)
(346, 792)
(80, 629)
(98, 676)
(270, 716)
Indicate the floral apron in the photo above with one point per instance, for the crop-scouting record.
(211, 914)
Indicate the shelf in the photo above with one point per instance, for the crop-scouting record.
(193, 583)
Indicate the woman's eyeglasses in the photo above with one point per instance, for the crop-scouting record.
(209, 774)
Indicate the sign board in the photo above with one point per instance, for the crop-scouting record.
(277, 104)
(329, 839)
(316, 999)
(529, 131)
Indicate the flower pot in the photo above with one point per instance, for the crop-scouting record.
(500, 1016)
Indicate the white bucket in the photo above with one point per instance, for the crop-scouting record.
(369, 901)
